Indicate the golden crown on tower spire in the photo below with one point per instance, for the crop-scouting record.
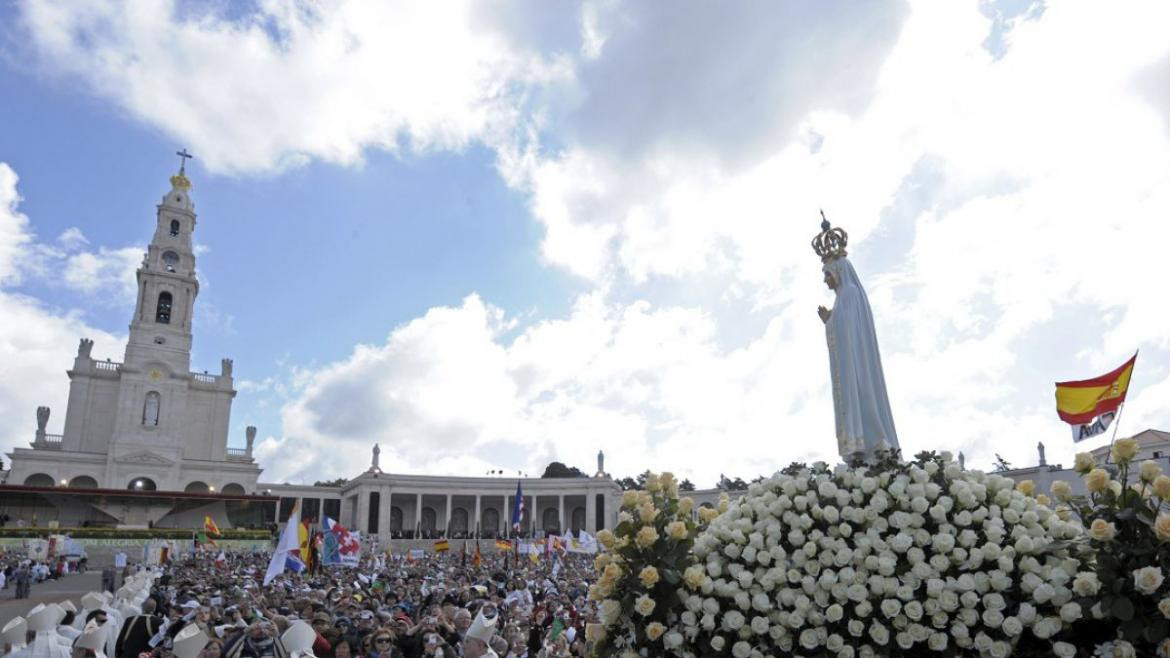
(830, 242)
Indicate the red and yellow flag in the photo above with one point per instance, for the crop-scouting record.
(442, 546)
(210, 526)
(477, 557)
(1080, 403)
(306, 538)
(503, 545)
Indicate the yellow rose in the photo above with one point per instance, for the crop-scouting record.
(652, 483)
(1042, 499)
(724, 502)
(1149, 470)
(649, 577)
(654, 630)
(1063, 513)
(1124, 450)
(644, 605)
(594, 632)
(605, 538)
(610, 611)
(611, 572)
(601, 560)
(1026, 487)
(1162, 486)
(1115, 487)
(629, 498)
(667, 480)
(646, 537)
(1102, 530)
(676, 530)
(599, 590)
(1162, 527)
(1097, 480)
(686, 504)
(1084, 463)
(706, 514)
(647, 512)
(1061, 489)
(1164, 607)
(695, 576)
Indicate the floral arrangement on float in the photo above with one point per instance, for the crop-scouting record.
(646, 558)
(886, 559)
(1127, 516)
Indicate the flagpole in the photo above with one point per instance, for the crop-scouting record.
(1116, 424)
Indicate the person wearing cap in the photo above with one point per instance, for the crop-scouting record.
(136, 632)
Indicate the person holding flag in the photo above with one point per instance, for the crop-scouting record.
(210, 527)
(1089, 406)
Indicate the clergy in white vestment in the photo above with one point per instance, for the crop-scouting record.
(43, 620)
(15, 634)
(860, 403)
(90, 602)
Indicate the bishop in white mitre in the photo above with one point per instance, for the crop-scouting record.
(861, 406)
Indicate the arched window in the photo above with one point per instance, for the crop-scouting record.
(490, 521)
(162, 314)
(174, 228)
(428, 519)
(459, 520)
(395, 519)
(150, 409)
(550, 520)
(142, 484)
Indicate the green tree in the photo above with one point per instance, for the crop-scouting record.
(686, 485)
(1001, 464)
(339, 482)
(559, 470)
(627, 483)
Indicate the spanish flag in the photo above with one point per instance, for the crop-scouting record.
(477, 557)
(503, 545)
(1090, 405)
(210, 526)
(442, 546)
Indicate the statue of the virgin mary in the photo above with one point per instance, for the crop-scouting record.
(860, 402)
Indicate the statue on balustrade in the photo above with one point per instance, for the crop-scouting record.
(861, 406)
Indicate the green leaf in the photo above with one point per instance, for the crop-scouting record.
(1123, 609)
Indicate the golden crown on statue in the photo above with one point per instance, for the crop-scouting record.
(830, 242)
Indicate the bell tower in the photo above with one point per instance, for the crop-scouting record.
(160, 330)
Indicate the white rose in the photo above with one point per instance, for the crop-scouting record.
(1147, 580)
(1070, 612)
(759, 625)
(672, 640)
(1064, 650)
(809, 639)
(741, 650)
(1012, 626)
(718, 642)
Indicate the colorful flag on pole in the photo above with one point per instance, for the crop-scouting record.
(518, 508)
(210, 526)
(1091, 405)
(442, 546)
(477, 558)
(339, 545)
(503, 545)
(287, 552)
(305, 539)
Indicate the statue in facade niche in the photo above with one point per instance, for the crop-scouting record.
(84, 348)
(250, 437)
(861, 405)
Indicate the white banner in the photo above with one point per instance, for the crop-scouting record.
(1093, 428)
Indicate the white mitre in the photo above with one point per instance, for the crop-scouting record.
(190, 641)
(41, 618)
(15, 633)
(298, 639)
(92, 601)
(94, 639)
(482, 629)
(68, 606)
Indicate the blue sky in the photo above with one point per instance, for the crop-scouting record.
(493, 235)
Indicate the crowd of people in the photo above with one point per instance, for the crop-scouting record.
(438, 605)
